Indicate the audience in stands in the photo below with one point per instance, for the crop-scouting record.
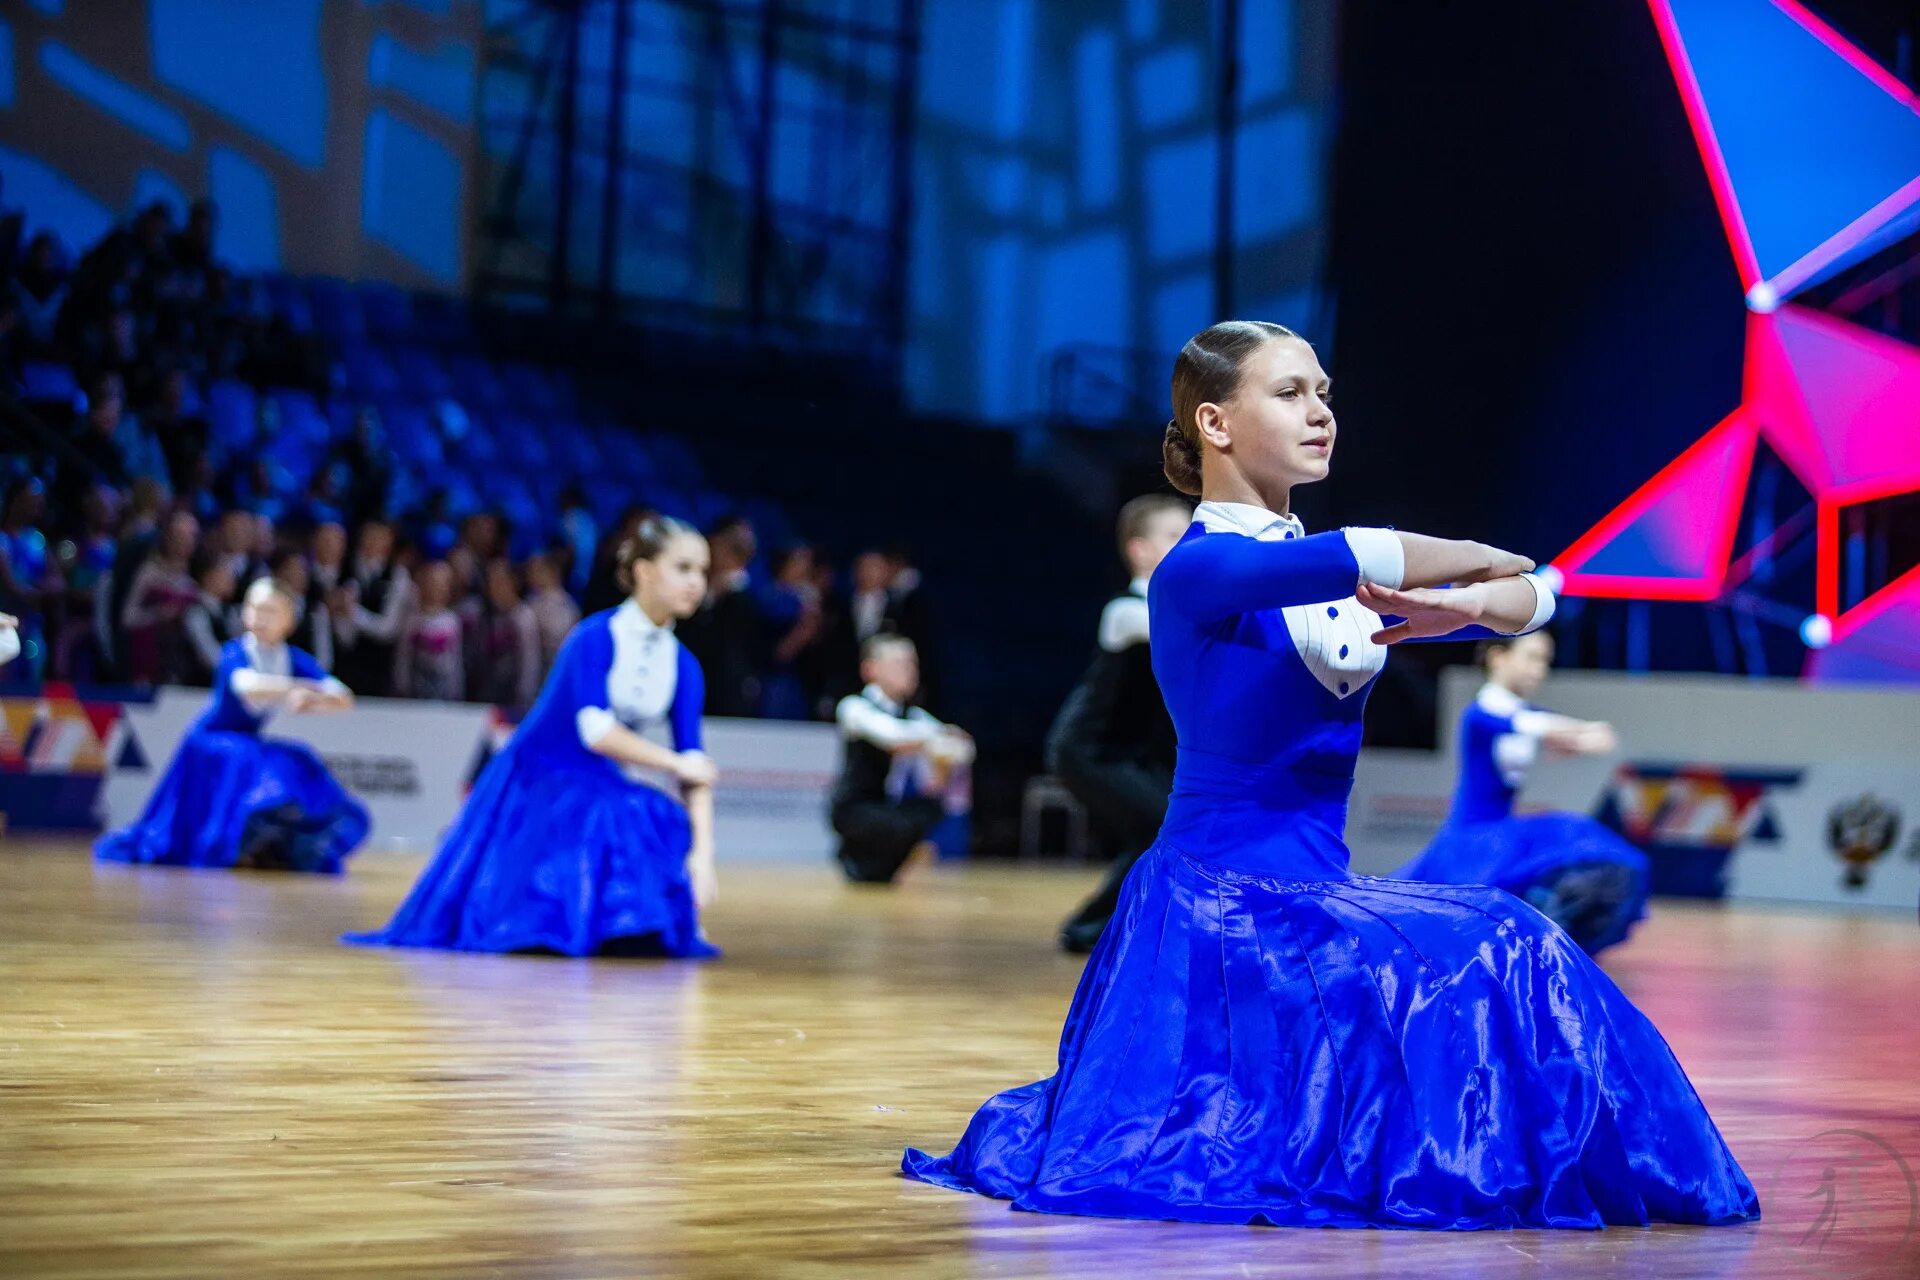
(189, 434)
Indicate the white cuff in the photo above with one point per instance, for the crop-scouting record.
(593, 724)
(244, 681)
(9, 645)
(1544, 604)
(1383, 561)
(334, 687)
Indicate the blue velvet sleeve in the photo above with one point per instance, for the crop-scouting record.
(689, 700)
(304, 665)
(233, 657)
(580, 668)
(1223, 574)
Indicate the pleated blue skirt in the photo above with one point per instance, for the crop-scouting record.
(1358, 1052)
(219, 782)
(568, 860)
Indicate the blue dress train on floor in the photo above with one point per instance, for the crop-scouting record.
(231, 797)
(1262, 1036)
(1577, 872)
(558, 849)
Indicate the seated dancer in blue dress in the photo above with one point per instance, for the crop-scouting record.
(1261, 1035)
(233, 798)
(1579, 874)
(564, 845)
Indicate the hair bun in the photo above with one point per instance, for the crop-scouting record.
(1180, 459)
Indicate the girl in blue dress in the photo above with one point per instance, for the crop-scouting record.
(233, 798)
(1578, 873)
(563, 845)
(1261, 1035)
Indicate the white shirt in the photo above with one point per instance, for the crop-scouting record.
(1123, 623)
(642, 679)
(872, 716)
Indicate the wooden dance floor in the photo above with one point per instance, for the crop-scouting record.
(197, 1081)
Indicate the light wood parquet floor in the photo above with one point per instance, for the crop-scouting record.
(197, 1081)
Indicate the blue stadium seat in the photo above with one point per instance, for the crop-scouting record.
(232, 415)
(476, 383)
(422, 374)
(388, 311)
(368, 373)
(336, 310)
(48, 383)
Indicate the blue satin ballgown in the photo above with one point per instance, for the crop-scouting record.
(558, 849)
(1263, 1036)
(229, 792)
(1582, 875)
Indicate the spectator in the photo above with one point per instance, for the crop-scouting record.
(554, 611)
(27, 575)
(907, 614)
(578, 529)
(378, 598)
(369, 466)
(603, 590)
(140, 453)
(429, 661)
(157, 603)
(210, 620)
(182, 434)
(84, 648)
(727, 634)
(193, 247)
(327, 558)
(509, 650)
(40, 289)
(795, 607)
(312, 624)
(138, 537)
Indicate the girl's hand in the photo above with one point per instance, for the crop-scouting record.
(1500, 564)
(695, 769)
(1425, 611)
(701, 878)
(301, 699)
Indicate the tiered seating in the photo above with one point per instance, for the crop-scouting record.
(505, 435)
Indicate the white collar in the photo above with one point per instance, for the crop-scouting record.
(262, 658)
(873, 694)
(1245, 518)
(631, 618)
(1500, 701)
(1138, 587)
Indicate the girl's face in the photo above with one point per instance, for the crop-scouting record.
(1278, 425)
(1522, 666)
(675, 581)
(268, 616)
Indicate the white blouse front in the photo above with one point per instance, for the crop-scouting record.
(642, 680)
(1333, 639)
